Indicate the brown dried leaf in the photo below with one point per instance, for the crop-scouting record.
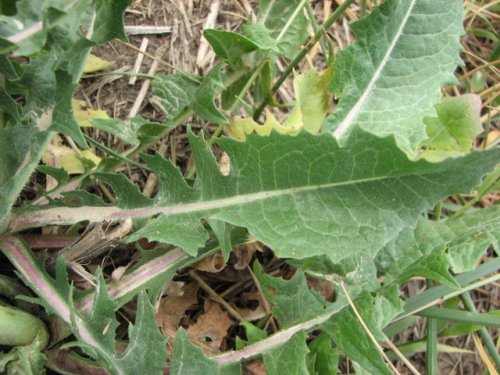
(172, 309)
(256, 367)
(243, 254)
(323, 287)
(210, 329)
(250, 314)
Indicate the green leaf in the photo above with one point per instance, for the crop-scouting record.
(108, 23)
(420, 251)
(351, 338)
(276, 15)
(325, 358)
(131, 131)
(145, 338)
(203, 103)
(279, 190)
(389, 79)
(189, 359)
(312, 100)
(292, 300)
(260, 35)
(289, 358)
(173, 94)
(229, 46)
(455, 128)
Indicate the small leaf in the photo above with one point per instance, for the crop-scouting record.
(203, 103)
(84, 115)
(293, 301)
(454, 129)
(260, 35)
(66, 158)
(239, 127)
(312, 101)
(94, 64)
(108, 23)
(131, 131)
(174, 93)
(275, 15)
(229, 46)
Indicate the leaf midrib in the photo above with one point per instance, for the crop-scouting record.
(71, 215)
(351, 116)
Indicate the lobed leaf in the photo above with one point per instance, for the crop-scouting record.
(290, 192)
(432, 248)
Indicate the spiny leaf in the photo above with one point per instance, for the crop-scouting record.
(351, 337)
(293, 301)
(146, 349)
(420, 251)
(289, 358)
(389, 79)
(291, 191)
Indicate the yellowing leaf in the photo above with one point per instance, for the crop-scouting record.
(94, 64)
(311, 107)
(83, 114)
(309, 111)
(66, 158)
(239, 127)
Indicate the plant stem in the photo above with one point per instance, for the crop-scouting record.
(431, 364)
(316, 28)
(488, 342)
(364, 7)
(115, 154)
(298, 58)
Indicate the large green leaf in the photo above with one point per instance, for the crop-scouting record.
(290, 192)
(389, 79)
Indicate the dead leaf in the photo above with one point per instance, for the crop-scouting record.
(213, 264)
(251, 313)
(210, 329)
(323, 287)
(94, 64)
(83, 114)
(172, 309)
(256, 367)
(243, 254)
(66, 158)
